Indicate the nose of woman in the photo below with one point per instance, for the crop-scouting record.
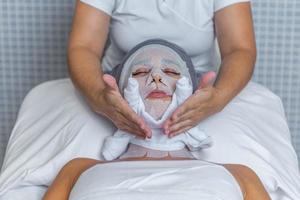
(156, 78)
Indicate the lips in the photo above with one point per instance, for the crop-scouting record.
(158, 94)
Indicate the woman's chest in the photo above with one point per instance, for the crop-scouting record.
(188, 23)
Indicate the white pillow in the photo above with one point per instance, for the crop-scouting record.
(55, 125)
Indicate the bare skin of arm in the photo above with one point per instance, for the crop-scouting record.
(86, 44)
(234, 30)
(249, 182)
(67, 177)
(61, 187)
(235, 33)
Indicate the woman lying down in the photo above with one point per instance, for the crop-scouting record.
(155, 77)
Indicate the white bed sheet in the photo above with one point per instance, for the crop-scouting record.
(55, 125)
(25, 193)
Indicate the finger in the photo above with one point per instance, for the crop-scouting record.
(179, 111)
(166, 126)
(110, 82)
(128, 113)
(185, 107)
(135, 120)
(125, 110)
(191, 104)
(207, 79)
(121, 120)
(134, 132)
(134, 128)
(184, 129)
(175, 118)
(139, 124)
(148, 131)
(185, 116)
(180, 125)
(120, 112)
(124, 121)
(126, 124)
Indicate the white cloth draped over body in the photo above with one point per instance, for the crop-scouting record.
(156, 180)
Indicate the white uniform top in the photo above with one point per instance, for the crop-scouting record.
(187, 23)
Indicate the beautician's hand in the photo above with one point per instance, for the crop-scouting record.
(203, 103)
(119, 112)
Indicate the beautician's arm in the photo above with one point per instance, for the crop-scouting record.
(65, 180)
(86, 45)
(234, 29)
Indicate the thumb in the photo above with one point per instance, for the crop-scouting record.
(110, 82)
(207, 79)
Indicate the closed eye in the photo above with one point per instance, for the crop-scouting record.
(140, 72)
(170, 71)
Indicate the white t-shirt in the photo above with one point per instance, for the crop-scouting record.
(187, 23)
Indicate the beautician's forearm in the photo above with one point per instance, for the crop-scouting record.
(235, 72)
(236, 38)
(86, 73)
(85, 47)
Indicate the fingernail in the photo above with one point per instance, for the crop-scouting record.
(148, 134)
(166, 127)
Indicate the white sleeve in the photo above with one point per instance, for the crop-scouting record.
(106, 6)
(219, 4)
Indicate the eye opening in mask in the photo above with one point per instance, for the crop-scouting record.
(171, 72)
(139, 72)
(143, 71)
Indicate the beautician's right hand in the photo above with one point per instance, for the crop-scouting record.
(118, 111)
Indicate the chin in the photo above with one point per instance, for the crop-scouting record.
(156, 107)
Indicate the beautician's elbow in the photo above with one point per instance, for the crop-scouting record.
(82, 62)
(247, 52)
(78, 52)
(251, 52)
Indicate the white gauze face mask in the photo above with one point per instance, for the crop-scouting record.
(156, 70)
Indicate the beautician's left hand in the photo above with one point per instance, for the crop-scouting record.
(204, 102)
